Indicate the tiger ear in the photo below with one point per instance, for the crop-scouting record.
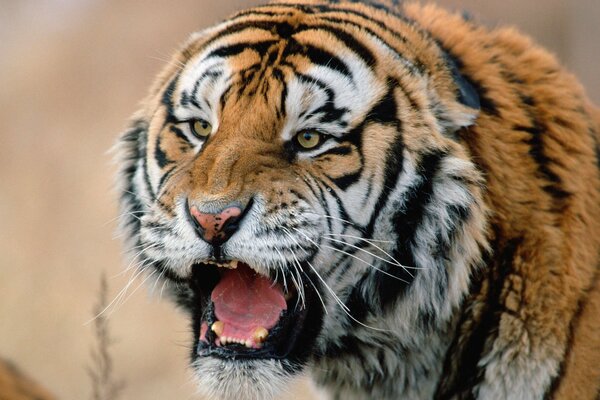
(455, 101)
(467, 95)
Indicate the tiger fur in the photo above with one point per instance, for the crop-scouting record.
(445, 231)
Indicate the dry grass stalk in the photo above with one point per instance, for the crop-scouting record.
(105, 386)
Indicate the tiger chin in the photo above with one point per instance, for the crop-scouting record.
(390, 197)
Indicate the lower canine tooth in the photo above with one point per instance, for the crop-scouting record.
(260, 335)
(217, 328)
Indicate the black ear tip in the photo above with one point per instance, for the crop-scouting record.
(467, 94)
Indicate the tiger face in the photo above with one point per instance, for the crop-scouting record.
(296, 176)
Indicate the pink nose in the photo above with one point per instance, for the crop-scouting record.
(217, 228)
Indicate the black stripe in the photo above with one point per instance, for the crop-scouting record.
(343, 213)
(543, 162)
(461, 366)
(346, 180)
(323, 57)
(596, 141)
(383, 112)
(210, 74)
(329, 112)
(166, 176)
(256, 13)
(348, 39)
(235, 49)
(147, 179)
(179, 134)
(240, 27)
(406, 221)
(159, 155)
(372, 18)
(134, 141)
(280, 108)
(342, 150)
(167, 99)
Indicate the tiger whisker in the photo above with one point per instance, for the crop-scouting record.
(334, 218)
(280, 267)
(298, 267)
(134, 259)
(366, 262)
(344, 307)
(301, 294)
(160, 295)
(395, 262)
(136, 289)
(297, 280)
(164, 59)
(316, 291)
(121, 293)
(356, 257)
(359, 238)
(160, 276)
(294, 281)
(125, 214)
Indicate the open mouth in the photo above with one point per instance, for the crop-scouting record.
(239, 313)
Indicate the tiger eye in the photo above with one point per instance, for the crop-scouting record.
(308, 139)
(201, 128)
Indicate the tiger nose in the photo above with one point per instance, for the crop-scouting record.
(217, 228)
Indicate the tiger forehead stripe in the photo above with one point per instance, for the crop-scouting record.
(337, 14)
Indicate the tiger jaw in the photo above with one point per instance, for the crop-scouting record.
(240, 314)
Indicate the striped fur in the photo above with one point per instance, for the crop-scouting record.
(449, 223)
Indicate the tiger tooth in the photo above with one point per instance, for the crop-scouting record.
(217, 328)
(260, 334)
(248, 343)
(233, 264)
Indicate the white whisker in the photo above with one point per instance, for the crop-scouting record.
(397, 264)
(359, 238)
(332, 217)
(344, 307)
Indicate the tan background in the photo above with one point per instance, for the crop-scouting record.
(71, 72)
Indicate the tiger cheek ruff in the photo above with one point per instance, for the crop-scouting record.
(393, 198)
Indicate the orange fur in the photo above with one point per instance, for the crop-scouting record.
(550, 298)
(534, 141)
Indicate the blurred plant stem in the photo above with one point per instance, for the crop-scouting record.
(105, 386)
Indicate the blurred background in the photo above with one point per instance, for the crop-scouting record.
(71, 73)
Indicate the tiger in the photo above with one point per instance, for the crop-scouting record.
(386, 196)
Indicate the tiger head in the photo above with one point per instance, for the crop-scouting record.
(294, 176)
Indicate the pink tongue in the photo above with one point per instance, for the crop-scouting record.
(245, 301)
